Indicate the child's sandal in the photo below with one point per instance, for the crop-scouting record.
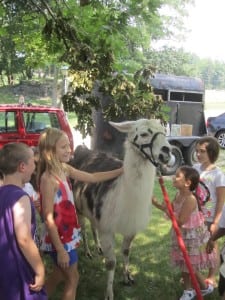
(211, 282)
(208, 290)
(188, 295)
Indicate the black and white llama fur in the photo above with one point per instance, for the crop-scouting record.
(122, 205)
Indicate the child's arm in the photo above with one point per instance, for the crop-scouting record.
(214, 237)
(161, 206)
(158, 205)
(220, 195)
(22, 225)
(93, 177)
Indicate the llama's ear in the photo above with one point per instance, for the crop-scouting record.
(123, 126)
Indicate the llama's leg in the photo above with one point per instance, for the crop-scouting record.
(107, 243)
(84, 236)
(128, 279)
(96, 239)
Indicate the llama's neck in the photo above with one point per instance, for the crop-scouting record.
(135, 193)
(135, 163)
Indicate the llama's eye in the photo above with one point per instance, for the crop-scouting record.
(150, 131)
(143, 135)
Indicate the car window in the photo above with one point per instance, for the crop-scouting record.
(54, 120)
(38, 121)
(7, 122)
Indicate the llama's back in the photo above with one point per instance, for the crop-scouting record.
(93, 161)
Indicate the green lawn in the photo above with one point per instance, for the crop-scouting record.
(150, 265)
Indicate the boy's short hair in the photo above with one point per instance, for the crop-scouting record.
(11, 155)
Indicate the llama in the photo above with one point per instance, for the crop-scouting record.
(122, 205)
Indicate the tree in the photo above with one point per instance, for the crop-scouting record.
(9, 58)
(102, 42)
(169, 60)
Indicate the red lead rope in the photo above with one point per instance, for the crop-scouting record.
(180, 239)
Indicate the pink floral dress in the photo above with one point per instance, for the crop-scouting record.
(195, 236)
(65, 218)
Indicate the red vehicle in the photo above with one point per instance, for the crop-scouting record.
(24, 123)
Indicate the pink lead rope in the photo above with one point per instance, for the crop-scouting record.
(180, 239)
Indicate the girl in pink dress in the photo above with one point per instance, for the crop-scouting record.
(193, 229)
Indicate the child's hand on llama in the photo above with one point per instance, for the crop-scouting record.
(154, 201)
(157, 204)
(37, 204)
(210, 246)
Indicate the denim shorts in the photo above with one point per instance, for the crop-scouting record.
(72, 255)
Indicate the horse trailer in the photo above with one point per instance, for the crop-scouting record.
(185, 98)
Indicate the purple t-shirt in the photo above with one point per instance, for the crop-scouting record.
(16, 273)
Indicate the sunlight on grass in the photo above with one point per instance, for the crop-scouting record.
(149, 264)
(220, 106)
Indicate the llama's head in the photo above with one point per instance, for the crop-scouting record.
(147, 137)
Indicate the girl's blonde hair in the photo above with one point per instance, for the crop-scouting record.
(47, 152)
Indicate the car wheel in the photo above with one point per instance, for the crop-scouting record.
(171, 169)
(221, 138)
(190, 156)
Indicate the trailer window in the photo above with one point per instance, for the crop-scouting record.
(176, 96)
(187, 97)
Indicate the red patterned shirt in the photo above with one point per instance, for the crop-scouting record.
(65, 218)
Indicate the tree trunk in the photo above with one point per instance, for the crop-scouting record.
(54, 88)
(84, 2)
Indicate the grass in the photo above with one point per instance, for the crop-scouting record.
(149, 261)
(149, 264)
(220, 106)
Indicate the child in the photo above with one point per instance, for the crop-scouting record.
(32, 190)
(193, 230)
(207, 151)
(22, 275)
(218, 233)
(62, 231)
(34, 195)
(31, 187)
